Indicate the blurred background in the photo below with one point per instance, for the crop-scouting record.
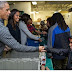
(41, 10)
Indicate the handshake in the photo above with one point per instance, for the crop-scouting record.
(59, 51)
(42, 49)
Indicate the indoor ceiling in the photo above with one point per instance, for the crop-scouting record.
(63, 6)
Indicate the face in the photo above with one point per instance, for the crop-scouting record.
(16, 17)
(48, 25)
(29, 21)
(70, 43)
(5, 12)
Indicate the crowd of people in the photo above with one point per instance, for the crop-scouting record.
(55, 39)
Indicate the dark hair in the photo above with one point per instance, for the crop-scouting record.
(70, 38)
(57, 17)
(50, 21)
(42, 23)
(11, 18)
(25, 17)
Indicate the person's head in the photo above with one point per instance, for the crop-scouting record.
(4, 10)
(13, 17)
(43, 26)
(49, 22)
(70, 44)
(25, 17)
(29, 21)
(57, 17)
(42, 23)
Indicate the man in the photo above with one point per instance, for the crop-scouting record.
(5, 36)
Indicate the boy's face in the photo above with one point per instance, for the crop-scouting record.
(70, 44)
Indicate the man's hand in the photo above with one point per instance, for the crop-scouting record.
(7, 48)
(41, 49)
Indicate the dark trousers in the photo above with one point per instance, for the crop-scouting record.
(60, 64)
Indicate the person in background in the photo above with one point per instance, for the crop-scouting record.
(32, 29)
(25, 33)
(58, 38)
(13, 24)
(6, 38)
(48, 64)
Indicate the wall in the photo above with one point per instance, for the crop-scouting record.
(23, 6)
(42, 14)
(68, 19)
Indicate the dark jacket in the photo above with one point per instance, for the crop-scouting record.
(15, 33)
(58, 38)
(62, 52)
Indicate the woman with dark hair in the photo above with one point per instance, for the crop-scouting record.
(58, 38)
(15, 32)
(13, 24)
(49, 22)
(25, 33)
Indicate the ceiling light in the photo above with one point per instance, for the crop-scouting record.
(56, 12)
(34, 3)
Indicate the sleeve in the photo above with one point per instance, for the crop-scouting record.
(7, 39)
(51, 38)
(49, 44)
(24, 28)
(58, 51)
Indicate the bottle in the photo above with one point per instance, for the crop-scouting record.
(43, 58)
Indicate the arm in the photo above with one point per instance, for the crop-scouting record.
(7, 39)
(49, 43)
(24, 28)
(40, 32)
(57, 51)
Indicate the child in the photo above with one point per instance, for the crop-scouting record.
(66, 52)
(69, 65)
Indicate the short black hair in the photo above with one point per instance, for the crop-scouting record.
(70, 37)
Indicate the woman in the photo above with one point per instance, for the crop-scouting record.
(13, 24)
(48, 64)
(14, 30)
(32, 29)
(25, 33)
(58, 38)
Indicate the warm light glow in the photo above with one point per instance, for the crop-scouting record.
(59, 10)
(34, 3)
(31, 12)
(37, 12)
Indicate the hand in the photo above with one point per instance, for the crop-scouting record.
(7, 48)
(40, 40)
(44, 32)
(41, 49)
